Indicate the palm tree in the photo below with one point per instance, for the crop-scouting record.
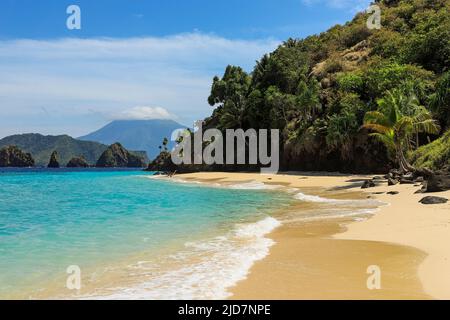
(396, 121)
(341, 131)
(233, 112)
(440, 100)
(290, 43)
(308, 99)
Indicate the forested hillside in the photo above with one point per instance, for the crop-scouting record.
(351, 98)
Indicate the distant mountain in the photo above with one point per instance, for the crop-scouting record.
(41, 147)
(146, 135)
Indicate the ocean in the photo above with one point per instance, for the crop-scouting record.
(132, 236)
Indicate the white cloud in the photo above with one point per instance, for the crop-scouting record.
(81, 82)
(144, 113)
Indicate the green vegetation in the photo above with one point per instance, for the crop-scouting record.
(349, 99)
(435, 155)
(400, 118)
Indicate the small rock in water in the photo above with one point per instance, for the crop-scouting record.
(433, 200)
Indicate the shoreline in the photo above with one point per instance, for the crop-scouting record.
(333, 254)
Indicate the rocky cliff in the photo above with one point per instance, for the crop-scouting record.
(116, 156)
(12, 156)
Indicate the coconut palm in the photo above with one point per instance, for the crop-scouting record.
(396, 121)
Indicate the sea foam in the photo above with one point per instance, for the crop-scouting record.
(254, 185)
(220, 263)
(354, 202)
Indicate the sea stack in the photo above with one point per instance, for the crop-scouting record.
(77, 162)
(116, 156)
(53, 163)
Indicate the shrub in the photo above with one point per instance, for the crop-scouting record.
(350, 82)
(435, 155)
(382, 76)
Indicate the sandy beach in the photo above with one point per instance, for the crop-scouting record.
(328, 257)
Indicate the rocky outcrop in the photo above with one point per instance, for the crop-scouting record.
(53, 162)
(77, 162)
(438, 181)
(392, 182)
(116, 156)
(163, 162)
(431, 181)
(12, 156)
(366, 156)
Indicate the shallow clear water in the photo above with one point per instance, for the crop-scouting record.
(52, 219)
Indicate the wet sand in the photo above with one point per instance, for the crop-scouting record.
(328, 258)
(307, 264)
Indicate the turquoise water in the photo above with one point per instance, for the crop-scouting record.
(50, 220)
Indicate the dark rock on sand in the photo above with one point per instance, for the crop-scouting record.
(438, 181)
(393, 193)
(392, 182)
(406, 181)
(433, 200)
(419, 179)
(408, 176)
(368, 184)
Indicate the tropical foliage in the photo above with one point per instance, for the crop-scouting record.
(435, 155)
(397, 121)
(349, 98)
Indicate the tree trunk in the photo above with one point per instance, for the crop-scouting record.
(405, 166)
(417, 139)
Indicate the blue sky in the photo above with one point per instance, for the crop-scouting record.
(136, 58)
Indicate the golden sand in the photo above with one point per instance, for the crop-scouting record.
(328, 258)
